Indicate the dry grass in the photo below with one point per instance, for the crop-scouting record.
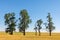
(29, 36)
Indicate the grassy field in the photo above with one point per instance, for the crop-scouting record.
(29, 36)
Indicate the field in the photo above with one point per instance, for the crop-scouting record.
(29, 36)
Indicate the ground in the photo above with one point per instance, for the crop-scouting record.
(29, 36)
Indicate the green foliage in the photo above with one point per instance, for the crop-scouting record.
(10, 22)
(24, 20)
(50, 26)
(39, 23)
(35, 28)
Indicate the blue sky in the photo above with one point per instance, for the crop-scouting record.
(37, 9)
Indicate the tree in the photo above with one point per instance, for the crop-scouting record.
(35, 30)
(10, 22)
(50, 26)
(24, 21)
(39, 23)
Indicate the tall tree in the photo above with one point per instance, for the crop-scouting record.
(10, 22)
(39, 23)
(50, 26)
(24, 21)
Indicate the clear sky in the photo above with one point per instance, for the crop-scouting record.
(37, 9)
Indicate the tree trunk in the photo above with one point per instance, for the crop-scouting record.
(36, 32)
(11, 32)
(50, 33)
(24, 32)
(39, 33)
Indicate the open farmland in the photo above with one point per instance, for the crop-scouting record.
(29, 36)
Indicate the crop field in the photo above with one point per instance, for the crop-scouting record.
(29, 36)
